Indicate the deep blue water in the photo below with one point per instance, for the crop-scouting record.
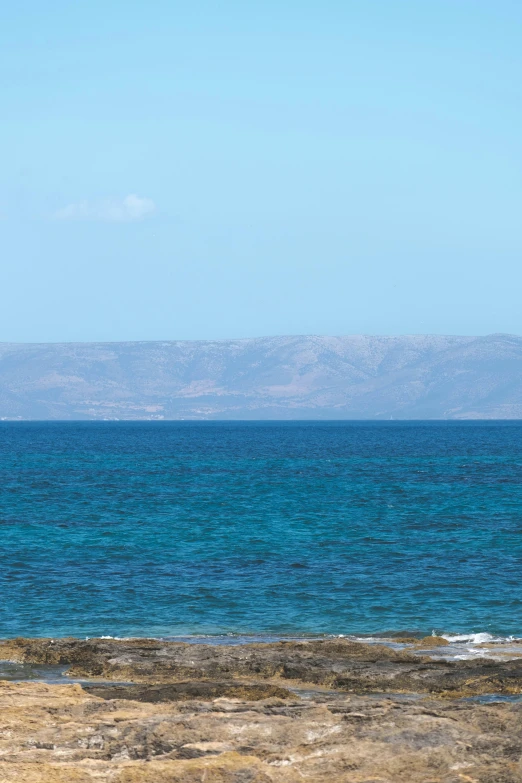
(283, 528)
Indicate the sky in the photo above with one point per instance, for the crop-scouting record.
(208, 170)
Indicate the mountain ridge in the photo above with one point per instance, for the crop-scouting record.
(280, 377)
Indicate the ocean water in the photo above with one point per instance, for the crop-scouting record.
(271, 529)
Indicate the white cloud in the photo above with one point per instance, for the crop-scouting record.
(130, 208)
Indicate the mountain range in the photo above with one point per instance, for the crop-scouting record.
(293, 377)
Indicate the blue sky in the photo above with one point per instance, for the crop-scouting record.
(207, 170)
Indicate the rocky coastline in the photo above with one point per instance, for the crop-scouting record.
(156, 711)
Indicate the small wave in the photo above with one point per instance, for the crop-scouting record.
(477, 638)
(460, 647)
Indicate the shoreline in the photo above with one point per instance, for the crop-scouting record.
(449, 646)
(156, 711)
(346, 664)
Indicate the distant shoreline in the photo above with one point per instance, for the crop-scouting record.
(357, 377)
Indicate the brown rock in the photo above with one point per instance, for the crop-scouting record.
(433, 641)
(188, 691)
(337, 664)
(62, 734)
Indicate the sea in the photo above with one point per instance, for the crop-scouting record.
(230, 531)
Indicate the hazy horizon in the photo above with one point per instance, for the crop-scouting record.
(261, 337)
(282, 377)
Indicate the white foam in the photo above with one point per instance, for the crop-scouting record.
(479, 645)
(471, 638)
(461, 647)
(117, 638)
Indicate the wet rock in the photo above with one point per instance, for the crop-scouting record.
(185, 691)
(336, 664)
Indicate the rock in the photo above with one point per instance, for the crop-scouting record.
(433, 641)
(336, 664)
(186, 691)
(66, 734)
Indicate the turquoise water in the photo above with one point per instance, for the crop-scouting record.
(277, 528)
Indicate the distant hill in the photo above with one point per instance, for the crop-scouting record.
(354, 377)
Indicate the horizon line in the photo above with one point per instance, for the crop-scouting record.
(264, 337)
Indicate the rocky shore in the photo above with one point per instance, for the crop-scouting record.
(155, 712)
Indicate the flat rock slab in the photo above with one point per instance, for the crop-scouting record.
(336, 664)
(66, 734)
